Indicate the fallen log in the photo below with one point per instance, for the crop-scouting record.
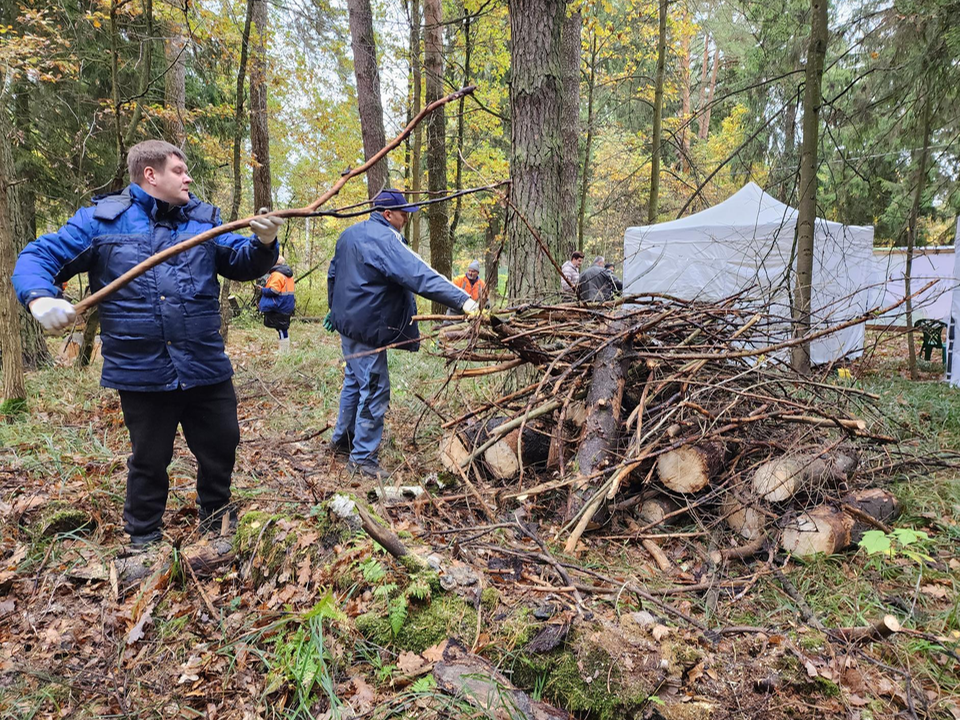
(658, 510)
(829, 529)
(744, 518)
(505, 457)
(690, 468)
(780, 479)
(604, 404)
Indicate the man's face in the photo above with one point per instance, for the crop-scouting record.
(472, 275)
(396, 218)
(171, 183)
(577, 262)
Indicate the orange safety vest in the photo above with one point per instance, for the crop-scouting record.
(474, 290)
(280, 283)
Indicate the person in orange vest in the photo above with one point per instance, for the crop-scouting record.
(472, 285)
(277, 302)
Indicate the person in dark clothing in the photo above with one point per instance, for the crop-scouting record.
(162, 348)
(610, 267)
(370, 291)
(596, 283)
(277, 302)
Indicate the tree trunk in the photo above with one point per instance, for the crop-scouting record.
(491, 256)
(259, 132)
(468, 51)
(785, 186)
(703, 72)
(535, 90)
(807, 209)
(657, 116)
(685, 94)
(912, 238)
(368, 91)
(146, 77)
(569, 129)
(238, 115)
(705, 117)
(416, 172)
(115, 96)
(11, 350)
(588, 144)
(23, 195)
(175, 89)
(441, 249)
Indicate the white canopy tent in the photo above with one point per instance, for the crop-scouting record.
(746, 243)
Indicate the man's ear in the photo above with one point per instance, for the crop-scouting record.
(150, 175)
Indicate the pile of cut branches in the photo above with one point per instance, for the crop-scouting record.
(653, 408)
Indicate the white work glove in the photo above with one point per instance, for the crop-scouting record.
(266, 228)
(470, 307)
(53, 313)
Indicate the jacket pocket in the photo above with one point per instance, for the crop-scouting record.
(115, 255)
(200, 263)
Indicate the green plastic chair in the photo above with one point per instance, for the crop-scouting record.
(932, 338)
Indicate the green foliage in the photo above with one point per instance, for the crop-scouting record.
(373, 571)
(397, 612)
(897, 542)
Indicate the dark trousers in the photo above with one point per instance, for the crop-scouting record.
(208, 416)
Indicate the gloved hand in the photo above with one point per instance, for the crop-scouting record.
(470, 308)
(53, 313)
(266, 228)
(328, 323)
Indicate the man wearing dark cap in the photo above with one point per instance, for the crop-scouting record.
(370, 289)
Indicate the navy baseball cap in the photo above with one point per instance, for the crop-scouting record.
(391, 199)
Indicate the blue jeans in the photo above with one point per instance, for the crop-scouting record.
(364, 400)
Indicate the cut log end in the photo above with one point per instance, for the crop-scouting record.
(744, 519)
(502, 461)
(452, 452)
(689, 469)
(824, 529)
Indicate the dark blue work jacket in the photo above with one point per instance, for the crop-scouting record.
(371, 282)
(162, 331)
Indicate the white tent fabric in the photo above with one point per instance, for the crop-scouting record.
(933, 263)
(745, 243)
(952, 371)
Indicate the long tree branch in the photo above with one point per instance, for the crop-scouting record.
(348, 175)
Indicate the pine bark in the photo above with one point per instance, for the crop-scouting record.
(175, 89)
(685, 96)
(458, 182)
(708, 99)
(588, 143)
(11, 350)
(654, 198)
(416, 169)
(369, 101)
(912, 239)
(259, 132)
(570, 51)
(441, 248)
(807, 209)
(491, 256)
(536, 141)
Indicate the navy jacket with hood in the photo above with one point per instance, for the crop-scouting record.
(371, 282)
(162, 331)
(282, 302)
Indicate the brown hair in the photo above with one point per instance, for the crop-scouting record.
(150, 153)
(576, 254)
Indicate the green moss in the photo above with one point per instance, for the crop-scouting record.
(516, 630)
(490, 598)
(584, 679)
(447, 616)
(62, 518)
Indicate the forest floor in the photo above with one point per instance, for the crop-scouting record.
(311, 619)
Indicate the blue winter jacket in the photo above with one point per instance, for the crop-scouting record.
(371, 282)
(282, 301)
(162, 331)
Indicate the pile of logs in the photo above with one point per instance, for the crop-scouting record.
(669, 410)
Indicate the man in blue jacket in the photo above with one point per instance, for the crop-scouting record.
(162, 348)
(370, 289)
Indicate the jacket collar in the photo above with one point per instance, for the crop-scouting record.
(378, 217)
(155, 208)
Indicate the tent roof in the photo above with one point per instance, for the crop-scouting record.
(748, 207)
